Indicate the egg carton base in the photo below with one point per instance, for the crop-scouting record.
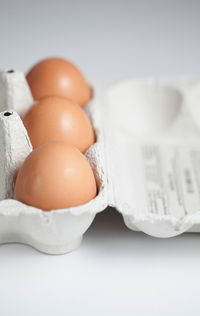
(46, 248)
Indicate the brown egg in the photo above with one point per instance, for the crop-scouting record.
(58, 77)
(59, 119)
(55, 176)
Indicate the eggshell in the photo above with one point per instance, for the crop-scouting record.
(55, 176)
(59, 119)
(58, 77)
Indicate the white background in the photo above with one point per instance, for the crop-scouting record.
(116, 271)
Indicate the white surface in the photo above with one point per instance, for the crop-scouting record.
(116, 271)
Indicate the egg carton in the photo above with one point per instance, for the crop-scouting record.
(146, 161)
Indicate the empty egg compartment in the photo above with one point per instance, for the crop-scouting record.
(56, 231)
(152, 145)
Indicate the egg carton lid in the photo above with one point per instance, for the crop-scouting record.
(151, 129)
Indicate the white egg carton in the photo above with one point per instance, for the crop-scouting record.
(146, 162)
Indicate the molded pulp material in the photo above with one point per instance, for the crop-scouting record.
(146, 162)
